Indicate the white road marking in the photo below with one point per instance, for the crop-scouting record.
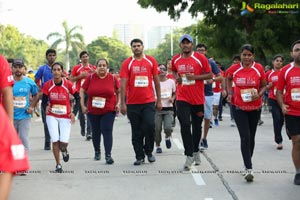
(195, 174)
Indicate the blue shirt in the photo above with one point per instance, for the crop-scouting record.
(208, 91)
(21, 91)
(44, 73)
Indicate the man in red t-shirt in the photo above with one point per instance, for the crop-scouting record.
(190, 69)
(289, 80)
(78, 75)
(6, 83)
(13, 156)
(137, 74)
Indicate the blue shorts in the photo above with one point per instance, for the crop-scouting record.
(208, 107)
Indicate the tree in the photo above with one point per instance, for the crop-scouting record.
(72, 39)
(263, 30)
(111, 49)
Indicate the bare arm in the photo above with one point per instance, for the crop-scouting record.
(83, 107)
(123, 96)
(158, 93)
(279, 98)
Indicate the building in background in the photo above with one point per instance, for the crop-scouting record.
(156, 35)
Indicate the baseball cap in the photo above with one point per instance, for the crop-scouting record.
(18, 62)
(186, 36)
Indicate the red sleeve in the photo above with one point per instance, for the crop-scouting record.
(45, 89)
(6, 78)
(73, 72)
(117, 83)
(267, 75)
(155, 66)
(124, 69)
(13, 157)
(86, 83)
(281, 81)
(71, 86)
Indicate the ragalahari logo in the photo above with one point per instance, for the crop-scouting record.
(246, 8)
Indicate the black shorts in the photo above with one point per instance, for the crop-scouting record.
(292, 124)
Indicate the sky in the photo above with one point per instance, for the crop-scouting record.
(38, 18)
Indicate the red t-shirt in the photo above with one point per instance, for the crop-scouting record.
(272, 77)
(190, 91)
(246, 80)
(13, 157)
(59, 98)
(139, 74)
(78, 69)
(6, 78)
(101, 93)
(217, 85)
(289, 79)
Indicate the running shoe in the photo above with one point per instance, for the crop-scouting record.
(279, 146)
(232, 123)
(188, 163)
(58, 168)
(249, 175)
(109, 160)
(151, 158)
(196, 156)
(168, 143)
(97, 156)
(65, 155)
(216, 122)
(158, 150)
(297, 179)
(139, 162)
(88, 137)
(204, 145)
(260, 122)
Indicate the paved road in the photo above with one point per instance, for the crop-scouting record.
(217, 178)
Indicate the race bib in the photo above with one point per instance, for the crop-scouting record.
(59, 109)
(141, 81)
(19, 102)
(98, 102)
(185, 81)
(295, 94)
(214, 85)
(165, 94)
(246, 94)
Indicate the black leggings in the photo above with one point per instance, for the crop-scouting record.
(246, 122)
(278, 119)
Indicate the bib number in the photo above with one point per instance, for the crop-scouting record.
(141, 81)
(19, 102)
(59, 109)
(295, 94)
(246, 94)
(185, 81)
(98, 102)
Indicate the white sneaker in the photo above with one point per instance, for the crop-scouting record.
(243, 171)
(232, 123)
(249, 175)
(188, 163)
(196, 156)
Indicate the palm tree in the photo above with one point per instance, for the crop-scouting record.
(71, 38)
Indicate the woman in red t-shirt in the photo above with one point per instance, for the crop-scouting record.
(250, 84)
(277, 115)
(56, 96)
(102, 89)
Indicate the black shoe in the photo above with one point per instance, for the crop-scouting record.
(65, 155)
(83, 133)
(109, 160)
(97, 156)
(88, 137)
(58, 168)
(297, 179)
(47, 146)
(151, 158)
(139, 162)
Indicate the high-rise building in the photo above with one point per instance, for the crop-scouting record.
(156, 35)
(127, 32)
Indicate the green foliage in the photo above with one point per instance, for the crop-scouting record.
(71, 39)
(268, 33)
(111, 49)
(17, 45)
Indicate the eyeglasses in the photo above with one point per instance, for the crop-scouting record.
(162, 69)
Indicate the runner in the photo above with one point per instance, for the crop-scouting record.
(250, 84)
(59, 116)
(23, 88)
(190, 69)
(103, 103)
(137, 73)
(277, 115)
(165, 116)
(13, 157)
(78, 75)
(289, 80)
